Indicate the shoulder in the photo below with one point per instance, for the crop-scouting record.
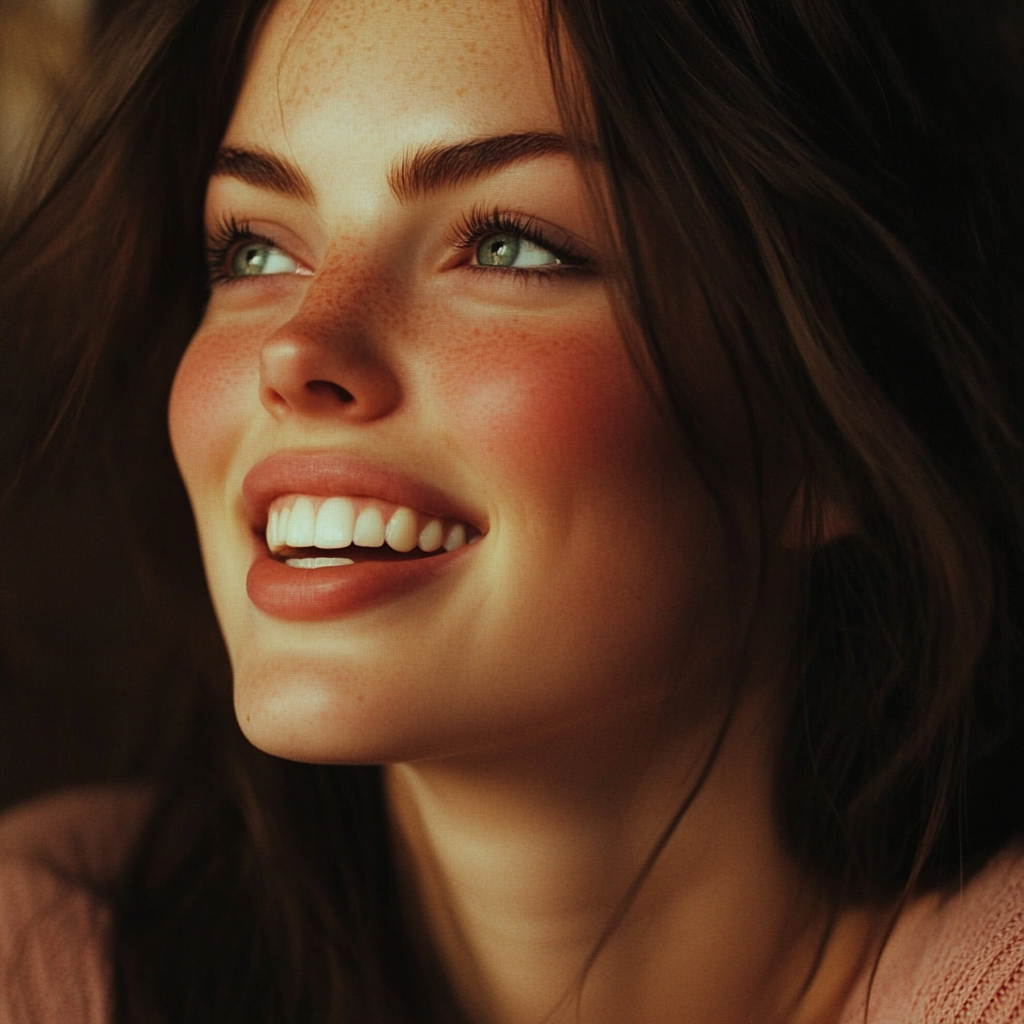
(88, 831)
(56, 854)
(956, 957)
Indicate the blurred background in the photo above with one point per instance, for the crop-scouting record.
(42, 45)
(76, 641)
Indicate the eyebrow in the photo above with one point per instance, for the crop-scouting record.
(433, 168)
(420, 173)
(264, 170)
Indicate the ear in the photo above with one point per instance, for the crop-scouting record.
(814, 520)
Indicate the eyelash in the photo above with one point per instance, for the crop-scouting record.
(469, 232)
(480, 223)
(220, 244)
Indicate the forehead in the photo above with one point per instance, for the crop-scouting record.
(358, 78)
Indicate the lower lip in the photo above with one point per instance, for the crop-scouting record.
(305, 595)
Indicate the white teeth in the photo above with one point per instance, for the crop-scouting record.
(456, 539)
(317, 563)
(432, 535)
(297, 522)
(334, 523)
(369, 529)
(401, 531)
(301, 524)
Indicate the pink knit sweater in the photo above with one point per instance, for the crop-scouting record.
(954, 960)
(957, 960)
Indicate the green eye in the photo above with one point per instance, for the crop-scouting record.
(257, 259)
(504, 249)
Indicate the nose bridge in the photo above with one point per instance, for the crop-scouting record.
(331, 357)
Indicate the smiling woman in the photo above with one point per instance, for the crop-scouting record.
(434, 341)
(601, 425)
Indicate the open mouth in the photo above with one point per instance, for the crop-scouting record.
(309, 532)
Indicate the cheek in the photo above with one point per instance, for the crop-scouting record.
(535, 396)
(212, 392)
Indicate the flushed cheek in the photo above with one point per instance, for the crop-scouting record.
(212, 395)
(537, 397)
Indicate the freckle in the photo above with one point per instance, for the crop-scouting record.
(361, 697)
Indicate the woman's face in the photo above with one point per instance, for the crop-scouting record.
(410, 338)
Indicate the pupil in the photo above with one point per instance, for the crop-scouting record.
(499, 251)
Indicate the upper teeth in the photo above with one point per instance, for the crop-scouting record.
(301, 521)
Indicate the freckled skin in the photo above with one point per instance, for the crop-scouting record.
(602, 554)
(543, 704)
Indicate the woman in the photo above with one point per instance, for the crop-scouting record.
(603, 417)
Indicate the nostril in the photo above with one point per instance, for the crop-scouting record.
(327, 387)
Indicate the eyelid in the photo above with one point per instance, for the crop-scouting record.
(228, 231)
(481, 221)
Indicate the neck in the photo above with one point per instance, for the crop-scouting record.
(521, 862)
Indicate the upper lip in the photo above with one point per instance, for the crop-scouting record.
(338, 473)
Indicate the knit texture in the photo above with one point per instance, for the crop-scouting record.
(54, 964)
(954, 960)
(951, 960)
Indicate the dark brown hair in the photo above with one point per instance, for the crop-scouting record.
(841, 180)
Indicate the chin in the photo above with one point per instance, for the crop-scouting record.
(323, 714)
(303, 714)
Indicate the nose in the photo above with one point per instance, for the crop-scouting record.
(324, 365)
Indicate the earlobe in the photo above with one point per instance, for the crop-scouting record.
(814, 519)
